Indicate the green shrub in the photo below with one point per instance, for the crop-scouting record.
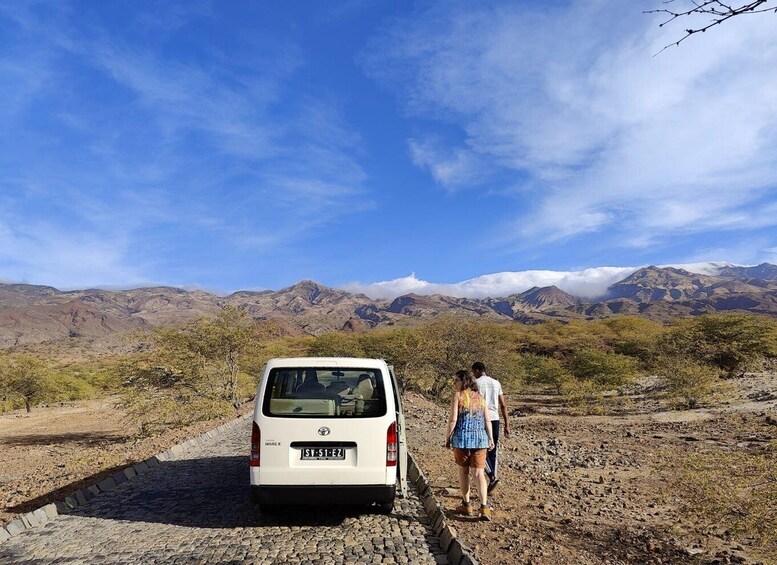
(688, 383)
(635, 337)
(584, 396)
(335, 345)
(25, 378)
(545, 371)
(733, 342)
(67, 386)
(604, 370)
(559, 340)
(437, 350)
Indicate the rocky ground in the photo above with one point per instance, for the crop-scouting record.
(597, 489)
(55, 450)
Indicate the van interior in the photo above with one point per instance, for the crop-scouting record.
(320, 392)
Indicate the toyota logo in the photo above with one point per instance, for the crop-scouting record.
(324, 431)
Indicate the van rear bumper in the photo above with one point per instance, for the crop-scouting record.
(322, 494)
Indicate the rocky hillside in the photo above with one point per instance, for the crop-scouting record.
(35, 314)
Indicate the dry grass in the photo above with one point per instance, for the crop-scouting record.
(736, 491)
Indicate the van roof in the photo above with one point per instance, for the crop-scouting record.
(357, 362)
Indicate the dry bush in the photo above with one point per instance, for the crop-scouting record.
(734, 342)
(584, 397)
(559, 340)
(689, 384)
(633, 336)
(737, 491)
(164, 410)
(426, 357)
(335, 344)
(191, 372)
(604, 370)
(545, 371)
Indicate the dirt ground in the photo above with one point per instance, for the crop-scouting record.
(596, 489)
(55, 450)
(573, 489)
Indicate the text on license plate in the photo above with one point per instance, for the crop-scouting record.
(323, 453)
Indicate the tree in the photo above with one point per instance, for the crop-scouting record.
(606, 370)
(544, 371)
(26, 377)
(207, 354)
(719, 12)
(687, 382)
(733, 342)
(192, 372)
(335, 344)
(635, 337)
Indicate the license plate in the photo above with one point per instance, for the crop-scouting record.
(323, 453)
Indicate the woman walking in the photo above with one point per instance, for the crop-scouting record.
(470, 435)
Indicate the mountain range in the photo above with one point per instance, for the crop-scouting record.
(35, 314)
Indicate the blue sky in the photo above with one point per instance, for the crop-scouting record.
(236, 145)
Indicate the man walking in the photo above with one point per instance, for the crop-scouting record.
(491, 390)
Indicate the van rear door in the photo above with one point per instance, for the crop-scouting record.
(326, 425)
(402, 439)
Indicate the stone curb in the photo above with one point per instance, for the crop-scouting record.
(42, 515)
(457, 552)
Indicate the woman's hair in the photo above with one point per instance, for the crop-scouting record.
(467, 380)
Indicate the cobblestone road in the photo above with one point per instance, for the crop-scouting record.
(196, 510)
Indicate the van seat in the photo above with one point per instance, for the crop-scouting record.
(317, 406)
(363, 389)
(336, 387)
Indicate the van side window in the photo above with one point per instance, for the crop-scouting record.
(316, 392)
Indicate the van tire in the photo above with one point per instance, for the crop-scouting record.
(384, 507)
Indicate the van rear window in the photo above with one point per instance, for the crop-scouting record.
(316, 392)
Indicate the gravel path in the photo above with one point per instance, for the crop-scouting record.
(196, 510)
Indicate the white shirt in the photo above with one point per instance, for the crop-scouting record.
(490, 389)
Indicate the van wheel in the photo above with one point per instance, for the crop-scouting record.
(384, 507)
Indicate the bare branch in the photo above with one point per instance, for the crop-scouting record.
(719, 10)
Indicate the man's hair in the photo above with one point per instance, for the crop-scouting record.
(478, 366)
(467, 380)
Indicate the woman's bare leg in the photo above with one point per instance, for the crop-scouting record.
(464, 482)
(482, 485)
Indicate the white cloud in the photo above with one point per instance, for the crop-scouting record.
(43, 253)
(589, 283)
(610, 136)
(712, 268)
(450, 168)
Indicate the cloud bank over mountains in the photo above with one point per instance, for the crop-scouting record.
(589, 283)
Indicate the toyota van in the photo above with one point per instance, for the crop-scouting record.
(328, 430)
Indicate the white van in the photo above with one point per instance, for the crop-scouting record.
(328, 430)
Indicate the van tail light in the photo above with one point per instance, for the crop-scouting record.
(391, 445)
(256, 439)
